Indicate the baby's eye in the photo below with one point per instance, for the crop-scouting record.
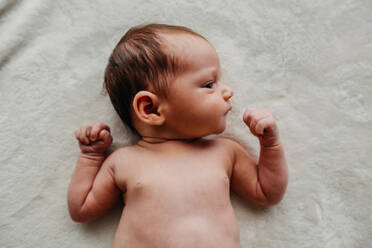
(209, 85)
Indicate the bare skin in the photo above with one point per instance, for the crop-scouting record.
(175, 183)
(169, 204)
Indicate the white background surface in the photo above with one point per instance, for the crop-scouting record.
(309, 62)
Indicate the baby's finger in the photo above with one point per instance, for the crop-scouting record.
(95, 131)
(97, 128)
(83, 135)
(77, 133)
(105, 136)
(80, 134)
(252, 126)
(261, 125)
(88, 131)
(247, 115)
(258, 118)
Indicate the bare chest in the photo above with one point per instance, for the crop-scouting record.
(180, 178)
(173, 194)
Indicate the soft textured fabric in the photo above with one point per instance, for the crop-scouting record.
(308, 62)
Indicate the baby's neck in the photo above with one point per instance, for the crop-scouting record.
(157, 140)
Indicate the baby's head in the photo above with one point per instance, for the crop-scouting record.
(164, 81)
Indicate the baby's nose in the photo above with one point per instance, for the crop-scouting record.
(228, 93)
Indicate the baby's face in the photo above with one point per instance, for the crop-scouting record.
(198, 99)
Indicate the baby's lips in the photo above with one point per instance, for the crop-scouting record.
(228, 110)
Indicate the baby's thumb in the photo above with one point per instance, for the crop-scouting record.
(105, 136)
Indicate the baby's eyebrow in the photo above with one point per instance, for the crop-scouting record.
(219, 73)
(216, 73)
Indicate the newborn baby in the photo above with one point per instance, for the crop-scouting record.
(165, 83)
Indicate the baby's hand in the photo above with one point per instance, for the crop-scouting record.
(94, 139)
(262, 124)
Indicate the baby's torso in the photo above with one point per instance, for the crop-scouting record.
(177, 195)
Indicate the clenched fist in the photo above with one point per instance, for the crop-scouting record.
(94, 139)
(262, 124)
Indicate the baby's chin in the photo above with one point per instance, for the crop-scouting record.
(219, 129)
(209, 130)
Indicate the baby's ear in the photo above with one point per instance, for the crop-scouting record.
(145, 105)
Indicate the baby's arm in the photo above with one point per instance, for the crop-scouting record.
(92, 189)
(264, 183)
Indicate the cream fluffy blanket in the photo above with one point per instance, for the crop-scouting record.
(309, 62)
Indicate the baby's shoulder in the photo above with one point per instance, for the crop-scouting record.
(226, 142)
(234, 144)
(123, 160)
(222, 145)
(124, 153)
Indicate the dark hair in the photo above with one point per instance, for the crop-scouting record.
(141, 62)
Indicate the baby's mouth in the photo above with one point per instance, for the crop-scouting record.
(227, 111)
